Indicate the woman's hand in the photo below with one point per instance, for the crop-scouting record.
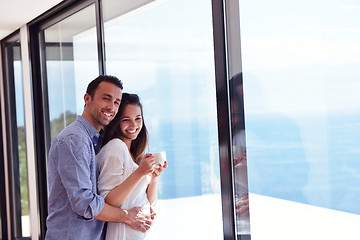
(147, 164)
(158, 170)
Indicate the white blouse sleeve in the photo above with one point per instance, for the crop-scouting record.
(111, 161)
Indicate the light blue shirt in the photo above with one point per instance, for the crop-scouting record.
(72, 177)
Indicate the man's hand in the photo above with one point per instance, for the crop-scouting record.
(242, 159)
(242, 206)
(152, 213)
(137, 220)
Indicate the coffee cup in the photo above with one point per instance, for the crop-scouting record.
(160, 157)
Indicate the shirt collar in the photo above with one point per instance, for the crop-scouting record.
(96, 137)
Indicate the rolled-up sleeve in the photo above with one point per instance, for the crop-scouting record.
(77, 170)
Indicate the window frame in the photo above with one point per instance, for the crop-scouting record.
(223, 111)
(11, 136)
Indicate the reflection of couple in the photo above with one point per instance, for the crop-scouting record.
(128, 178)
(278, 164)
(239, 154)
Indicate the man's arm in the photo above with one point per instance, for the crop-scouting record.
(133, 217)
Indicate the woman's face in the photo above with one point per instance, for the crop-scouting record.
(131, 122)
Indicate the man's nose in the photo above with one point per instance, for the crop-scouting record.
(110, 106)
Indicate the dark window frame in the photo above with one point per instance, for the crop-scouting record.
(11, 134)
(223, 114)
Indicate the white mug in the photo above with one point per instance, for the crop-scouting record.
(160, 157)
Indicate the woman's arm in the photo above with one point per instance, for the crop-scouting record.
(152, 191)
(118, 195)
(152, 188)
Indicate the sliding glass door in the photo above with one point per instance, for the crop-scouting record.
(163, 51)
(16, 145)
(71, 62)
(302, 115)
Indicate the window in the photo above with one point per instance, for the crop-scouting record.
(15, 118)
(64, 59)
(71, 62)
(163, 51)
(302, 115)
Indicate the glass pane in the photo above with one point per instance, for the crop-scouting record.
(20, 120)
(18, 144)
(71, 63)
(163, 51)
(239, 157)
(301, 85)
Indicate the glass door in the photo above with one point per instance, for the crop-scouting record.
(302, 115)
(65, 60)
(16, 146)
(71, 62)
(163, 51)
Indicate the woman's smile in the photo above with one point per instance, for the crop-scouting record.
(131, 122)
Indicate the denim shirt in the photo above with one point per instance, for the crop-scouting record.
(72, 177)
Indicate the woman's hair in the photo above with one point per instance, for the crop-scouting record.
(137, 148)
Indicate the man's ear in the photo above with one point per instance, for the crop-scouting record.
(87, 98)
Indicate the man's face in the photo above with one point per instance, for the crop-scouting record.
(104, 105)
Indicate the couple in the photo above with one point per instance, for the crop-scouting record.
(127, 177)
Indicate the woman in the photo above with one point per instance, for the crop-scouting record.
(128, 177)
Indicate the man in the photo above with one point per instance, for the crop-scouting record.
(76, 211)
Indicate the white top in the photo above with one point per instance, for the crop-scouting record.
(115, 164)
(241, 182)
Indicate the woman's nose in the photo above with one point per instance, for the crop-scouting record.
(132, 123)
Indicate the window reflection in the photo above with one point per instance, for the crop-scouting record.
(239, 157)
(71, 62)
(302, 116)
(167, 59)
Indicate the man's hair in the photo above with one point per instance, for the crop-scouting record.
(102, 78)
